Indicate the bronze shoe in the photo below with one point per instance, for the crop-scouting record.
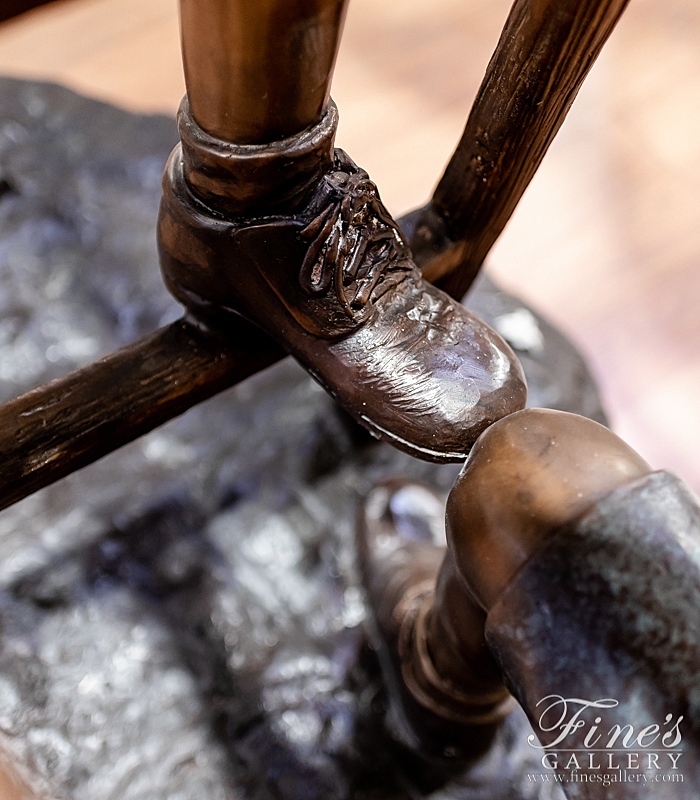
(447, 699)
(294, 237)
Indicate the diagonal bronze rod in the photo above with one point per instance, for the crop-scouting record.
(544, 54)
(259, 70)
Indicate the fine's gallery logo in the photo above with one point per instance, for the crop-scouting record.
(573, 737)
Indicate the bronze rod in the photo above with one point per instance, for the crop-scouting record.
(64, 425)
(259, 71)
(544, 54)
(72, 421)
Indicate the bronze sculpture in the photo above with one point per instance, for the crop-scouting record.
(552, 44)
(330, 252)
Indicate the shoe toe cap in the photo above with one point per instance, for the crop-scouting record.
(429, 375)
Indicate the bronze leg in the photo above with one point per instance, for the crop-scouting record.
(528, 475)
(69, 432)
(588, 566)
(259, 71)
(292, 235)
(578, 569)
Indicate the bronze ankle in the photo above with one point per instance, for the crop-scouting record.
(441, 696)
(247, 180)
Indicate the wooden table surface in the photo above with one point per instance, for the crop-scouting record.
(607, 240)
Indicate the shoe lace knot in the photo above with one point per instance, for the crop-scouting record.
(355, 246)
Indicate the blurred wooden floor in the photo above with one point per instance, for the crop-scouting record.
(606, 241)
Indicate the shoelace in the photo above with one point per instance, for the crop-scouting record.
(355, 243)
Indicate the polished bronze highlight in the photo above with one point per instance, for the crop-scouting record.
(528, 475)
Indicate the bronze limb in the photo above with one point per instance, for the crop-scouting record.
(545, 52)
(570, 563)
(258, 72)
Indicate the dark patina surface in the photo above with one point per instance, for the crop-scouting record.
(183, 618)
(606, 609)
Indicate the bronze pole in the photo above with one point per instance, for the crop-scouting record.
(259, 70)
(60, 427)
(545, 52)
(51, 431)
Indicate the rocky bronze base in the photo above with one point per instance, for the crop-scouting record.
(183, 618)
